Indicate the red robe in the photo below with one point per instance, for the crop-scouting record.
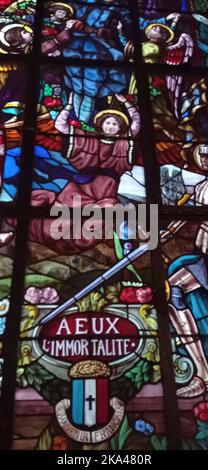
(88, 152)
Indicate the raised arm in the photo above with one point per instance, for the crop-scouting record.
(133, 113)
(56, 43)
(127, 44)
(61, 123)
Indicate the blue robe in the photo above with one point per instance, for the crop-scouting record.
(197, 300)
(51, 171)
(97, 81)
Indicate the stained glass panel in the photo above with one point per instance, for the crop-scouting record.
(179, 106)
(7, 242)
(108, 339)
(88, 137)
(108, 319)
(172, 39)
(183, 184)
(13, 83)
(155, 6)
(16, 26)
(185, 254)
(80, 31)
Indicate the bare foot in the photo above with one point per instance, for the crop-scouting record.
(5, 238)
(196, 387)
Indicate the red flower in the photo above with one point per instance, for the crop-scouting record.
(59, 443)
(201, 411)
(51, 102)
(158, 82)
(136, 295)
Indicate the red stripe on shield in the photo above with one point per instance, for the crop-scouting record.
(102, 401)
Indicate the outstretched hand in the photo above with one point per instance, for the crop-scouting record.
(119, 26)
(70, 24)
(175, 17)
(121, 98)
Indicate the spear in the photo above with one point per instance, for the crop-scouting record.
(134, 255)
(97, 282)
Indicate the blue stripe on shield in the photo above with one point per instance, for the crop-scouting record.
(78, 401)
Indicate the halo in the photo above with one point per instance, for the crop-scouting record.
(28, 28)
(197, 157)
(6, 28)
(171, 33)
(13, 104)
(167, 289)
(111, 111)
(61, 4)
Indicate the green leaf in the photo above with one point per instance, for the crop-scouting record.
(189, 444)
(5, 286)
(45, 441)
(140, 374)
(131, 268)
(30, 379)
(120, 255)
(119, 440)
(124, 433)
(40, 280)
(159, 442)
(202, 433)
(117, 245)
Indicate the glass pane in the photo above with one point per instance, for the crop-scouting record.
(13, 79)
(85, 91)
(88, 137)
(185, 255)
(57, 180)
(183, 181)
(179, 106)
(155, 6)
(106, 343)
(200, 5)
(7, 241)
(80, 31)
(173, 39)
(17, 20)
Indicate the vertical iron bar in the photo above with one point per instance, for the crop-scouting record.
(152, 176)
(23, 200)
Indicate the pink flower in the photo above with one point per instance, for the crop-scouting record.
(46, 295)
(201, 411)
(144, 295)
(49, 296)
(32, 295)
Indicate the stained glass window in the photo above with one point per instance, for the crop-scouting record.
(17, 21)
(103, 324)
